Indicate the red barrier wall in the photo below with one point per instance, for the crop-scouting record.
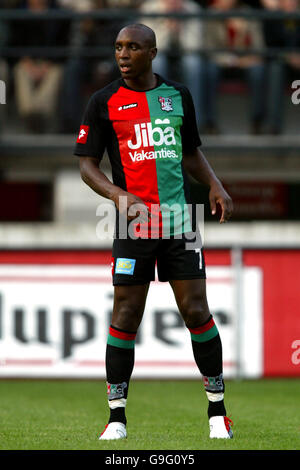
(281, 294)
(281, 307)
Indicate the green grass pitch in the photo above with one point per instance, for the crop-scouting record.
(162, 415)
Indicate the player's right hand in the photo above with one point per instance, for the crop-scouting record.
(131, 206)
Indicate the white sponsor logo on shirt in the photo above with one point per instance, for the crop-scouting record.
(148, 136)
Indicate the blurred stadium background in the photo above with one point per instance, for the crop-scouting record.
(55, 290)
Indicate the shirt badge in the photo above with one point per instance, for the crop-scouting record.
(165, 103)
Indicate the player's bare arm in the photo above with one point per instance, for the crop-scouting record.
(198, 167)
(98, 182)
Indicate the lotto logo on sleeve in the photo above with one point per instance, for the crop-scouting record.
(124, 266)
(83, 133)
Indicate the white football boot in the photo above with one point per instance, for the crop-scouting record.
(112, 431)
(220, 427)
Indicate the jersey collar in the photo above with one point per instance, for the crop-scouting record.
(159, 82)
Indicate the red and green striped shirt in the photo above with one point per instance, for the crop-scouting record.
(145, 134)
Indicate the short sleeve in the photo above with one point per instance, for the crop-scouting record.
(189, 129)
(92, 135)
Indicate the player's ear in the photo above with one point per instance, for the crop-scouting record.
(153, 52)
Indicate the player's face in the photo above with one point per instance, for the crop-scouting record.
(133, 54)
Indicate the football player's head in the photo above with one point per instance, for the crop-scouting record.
(135, 49)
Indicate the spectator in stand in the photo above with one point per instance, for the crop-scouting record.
(234, 34)
(4, 72)
(281, 34)
(11, 3)
(81, 5)
(4, 40)
(182, 36)
(83, 74)
(77, 69)
(37, 77)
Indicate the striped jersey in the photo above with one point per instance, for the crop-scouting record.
(145, 134)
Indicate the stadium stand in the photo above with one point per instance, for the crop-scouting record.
(47, 157)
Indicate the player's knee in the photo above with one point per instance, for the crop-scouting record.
(194, 311)
(127, 315)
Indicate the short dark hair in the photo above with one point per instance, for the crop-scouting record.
(149, 33)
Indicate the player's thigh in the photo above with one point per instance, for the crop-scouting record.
(129, 305)
(191, 299)
(133, 261)
(181, 259)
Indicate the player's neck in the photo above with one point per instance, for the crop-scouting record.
(142, 83)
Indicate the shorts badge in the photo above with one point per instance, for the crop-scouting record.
(124, 266)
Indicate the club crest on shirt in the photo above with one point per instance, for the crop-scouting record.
(165, 103)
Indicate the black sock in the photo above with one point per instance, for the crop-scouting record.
(117, 415)
(119, 366)
(207, 349)
(216, 408)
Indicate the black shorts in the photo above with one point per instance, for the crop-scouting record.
(134, 260)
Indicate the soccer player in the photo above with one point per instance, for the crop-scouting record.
(147, 125)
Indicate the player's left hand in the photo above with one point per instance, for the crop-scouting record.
(218, 195)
